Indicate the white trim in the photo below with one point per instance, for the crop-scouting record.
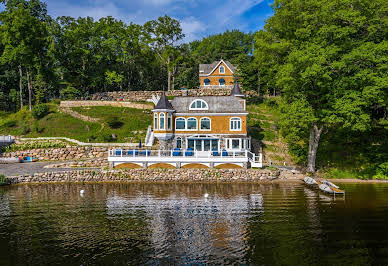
(219, 70)
(210, 120)
(169, 116)
(204, 83)
(210, 114)
(184, 129)
(163, 110)
(204, 75)
(187, 124)
(213, 134)
(156, 126)
(196, 108)
(230, 124)
(164, 121)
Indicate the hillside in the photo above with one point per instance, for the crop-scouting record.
(128, 124)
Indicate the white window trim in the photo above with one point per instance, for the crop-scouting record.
(157, 121)
(164, 122)
(187, 124)
(219, 70)
(204, 83)
(184, 129)
(195, 108)
(219, 83)
(200, 124)
(169, 116)
(229, 142)
(176, 142)
(230, 124)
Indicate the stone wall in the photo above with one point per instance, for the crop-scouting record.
(116, 103)
(61, 154)
(149, 175)
(145, 95)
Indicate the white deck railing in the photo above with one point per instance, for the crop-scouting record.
(180, 153)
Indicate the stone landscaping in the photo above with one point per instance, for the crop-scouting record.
(149, 175)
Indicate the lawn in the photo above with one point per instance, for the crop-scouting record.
(132, 127)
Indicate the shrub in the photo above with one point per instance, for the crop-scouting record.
(39, 111)
(381, 171)
(35, 145)
(107, 137)
(114, 122)
(2, 179)
(70, 93)
(9, 123)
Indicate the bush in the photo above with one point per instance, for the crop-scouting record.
(9, 123)
(35, 145)
(2, 179)
(381, 171)
(114, 122)
(39, 111)
(107, 137)
(70, 93)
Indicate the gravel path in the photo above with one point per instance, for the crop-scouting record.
(32, 168)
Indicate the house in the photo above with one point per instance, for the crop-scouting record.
(206, 131)
(218, 74)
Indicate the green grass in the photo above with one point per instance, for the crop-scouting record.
(56, 124)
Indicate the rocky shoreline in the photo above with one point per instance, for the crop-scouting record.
(156, 175)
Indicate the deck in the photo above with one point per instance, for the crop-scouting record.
(179, 158)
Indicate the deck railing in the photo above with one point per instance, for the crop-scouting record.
(180, 153)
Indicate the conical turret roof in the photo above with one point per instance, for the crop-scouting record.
(236, 91)
(164, 103)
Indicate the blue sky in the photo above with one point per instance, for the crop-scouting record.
(198, 18)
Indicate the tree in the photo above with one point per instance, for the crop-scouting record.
(163, 33)
(331, 65)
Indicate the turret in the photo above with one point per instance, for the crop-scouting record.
(236, 91)
(163, 119)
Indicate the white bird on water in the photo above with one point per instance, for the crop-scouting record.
(206, 195)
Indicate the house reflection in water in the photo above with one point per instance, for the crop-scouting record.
(193, 227)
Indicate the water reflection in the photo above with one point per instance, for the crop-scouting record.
(271, 224)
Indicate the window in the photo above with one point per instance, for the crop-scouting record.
(192, 123)
(206, 82)
(205, 123)
(180, 123)
(169, 121)
(161, 121)
(179, 143)
(235, 124)
(198, 105)
(235, 143)
(222, 69)
(155, 121)
(221, 82)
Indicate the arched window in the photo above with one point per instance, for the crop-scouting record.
(235, 124)
(169, 121)
(198, 105)
(155, 121)
(180, 123)
(221, 82)
(179, 142)
(205, 123)
(161, 121)
(206, 82)
(222, 69)
(192, 123)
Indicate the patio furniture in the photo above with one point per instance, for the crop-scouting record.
(177, 152)
(215, 152)
(146, 153)
(118, 151)
(131, 152)
(189, 152)
(224, 153)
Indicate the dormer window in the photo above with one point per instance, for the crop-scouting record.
(222, 70)
(221, 82)
(207, 82)
(199, 105)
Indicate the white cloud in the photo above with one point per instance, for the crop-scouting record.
(192, 28)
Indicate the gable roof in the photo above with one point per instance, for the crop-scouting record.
(216, 104)
(163, 103)
(210, 68)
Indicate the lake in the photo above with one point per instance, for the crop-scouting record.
(143, 223)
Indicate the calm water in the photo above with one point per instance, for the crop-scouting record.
(271, 224)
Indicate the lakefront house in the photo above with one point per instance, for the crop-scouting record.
(217, 74)
(203, 131)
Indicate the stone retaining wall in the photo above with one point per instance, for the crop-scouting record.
(116, 103)
(61, 154)
(149, 175)
(145, 95)
(98, 162)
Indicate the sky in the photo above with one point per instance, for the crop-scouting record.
(199, 18)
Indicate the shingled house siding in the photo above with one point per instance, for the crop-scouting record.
(215, 76)
(219, 125)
